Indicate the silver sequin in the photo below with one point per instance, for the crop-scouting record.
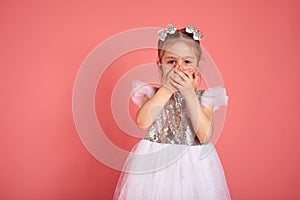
(173, 124)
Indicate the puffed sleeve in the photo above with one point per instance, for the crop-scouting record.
(139, 90)
(214, 96)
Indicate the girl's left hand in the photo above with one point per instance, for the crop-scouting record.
(184, 82)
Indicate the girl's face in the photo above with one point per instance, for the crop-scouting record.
(180, 55)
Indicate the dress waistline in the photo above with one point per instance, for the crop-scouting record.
(160, 142)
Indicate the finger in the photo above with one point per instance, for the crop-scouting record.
(175, 85)
(176, 78)
(196, 77)
(190, 75)
(170, 72)
(184, 76)
(191, 69)
(166, 76)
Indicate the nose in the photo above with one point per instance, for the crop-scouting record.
(179, 66)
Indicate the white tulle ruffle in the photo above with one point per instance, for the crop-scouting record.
(215, 96)
(139, 90)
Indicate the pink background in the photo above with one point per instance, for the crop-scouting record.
(43, 43)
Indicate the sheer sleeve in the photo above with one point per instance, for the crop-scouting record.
(215, 96)
(139, 90)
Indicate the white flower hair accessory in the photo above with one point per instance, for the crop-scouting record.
(196, 34)
(171, 29)
(163, 33)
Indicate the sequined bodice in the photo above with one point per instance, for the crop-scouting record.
(173, 124)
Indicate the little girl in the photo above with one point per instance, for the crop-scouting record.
(167, 164)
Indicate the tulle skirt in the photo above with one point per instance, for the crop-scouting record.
(156, 171)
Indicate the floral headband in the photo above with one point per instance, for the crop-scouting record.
(171, 29)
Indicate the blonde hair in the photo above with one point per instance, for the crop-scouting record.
(180, 34)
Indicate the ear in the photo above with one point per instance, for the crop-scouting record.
(200, 64)
(158, 62)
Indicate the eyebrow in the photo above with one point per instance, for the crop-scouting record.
(189, 57)
(168, 57)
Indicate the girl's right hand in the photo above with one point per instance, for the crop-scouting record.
(167, 79)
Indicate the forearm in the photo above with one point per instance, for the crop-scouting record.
(202, 123)
(151, 108)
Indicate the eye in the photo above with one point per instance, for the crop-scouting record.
(187, 61)
(171, 62)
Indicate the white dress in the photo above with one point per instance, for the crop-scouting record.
(170, 163)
